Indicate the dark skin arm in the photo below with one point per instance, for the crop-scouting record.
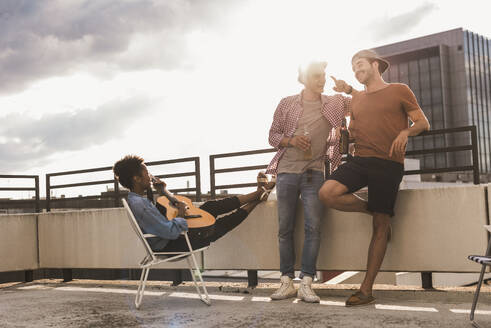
(160, 187)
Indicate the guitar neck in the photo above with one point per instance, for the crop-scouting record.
(170, 196)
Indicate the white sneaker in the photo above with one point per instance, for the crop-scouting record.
(305, 292)
(286, 289)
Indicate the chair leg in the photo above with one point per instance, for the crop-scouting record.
(476, 295)
(206, 298)
(141, 287)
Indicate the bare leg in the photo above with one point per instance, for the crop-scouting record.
(253, 196)
(250, 206)
(376, 251)
(334, 195)
(247, 198)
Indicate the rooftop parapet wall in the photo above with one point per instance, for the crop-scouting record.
(101, 238)
(18, 242)
(433, 230)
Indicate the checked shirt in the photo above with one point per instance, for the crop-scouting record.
(286, 117)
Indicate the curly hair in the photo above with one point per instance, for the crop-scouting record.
(127, 168)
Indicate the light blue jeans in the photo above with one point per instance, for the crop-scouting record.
(289, 186)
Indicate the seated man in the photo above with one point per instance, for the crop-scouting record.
(132, 173)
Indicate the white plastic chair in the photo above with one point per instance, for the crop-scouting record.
(153, 258)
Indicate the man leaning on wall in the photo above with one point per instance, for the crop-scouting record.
(301, 125)
(380, 129)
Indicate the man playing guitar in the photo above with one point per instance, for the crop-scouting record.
(132, 173)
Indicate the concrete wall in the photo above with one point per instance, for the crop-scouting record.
(101, 238)
(433, 230)
(18, 242)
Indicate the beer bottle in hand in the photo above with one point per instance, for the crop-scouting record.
(344, 139)
(307, 155)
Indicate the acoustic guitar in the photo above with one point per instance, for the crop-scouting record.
(195, 217)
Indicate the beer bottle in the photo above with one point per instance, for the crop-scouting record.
(344, 139)
(307, 155)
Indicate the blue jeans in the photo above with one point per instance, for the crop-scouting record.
(289, 186)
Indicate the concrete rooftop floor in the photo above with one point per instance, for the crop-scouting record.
(90, 303)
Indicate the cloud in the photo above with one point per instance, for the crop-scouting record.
(40, 39)
(26, 142)
(386, 27)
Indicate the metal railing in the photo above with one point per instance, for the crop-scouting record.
(469, 147)
(35, 188)
(473, 147)
(116, 196)
(213, 171)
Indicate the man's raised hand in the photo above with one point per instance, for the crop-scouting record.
(340, 85)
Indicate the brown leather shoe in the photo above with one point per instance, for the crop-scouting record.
(359, 298)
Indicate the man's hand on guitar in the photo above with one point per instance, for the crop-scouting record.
(182, 207)
(158, 184)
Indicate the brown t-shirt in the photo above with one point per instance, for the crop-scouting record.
(378, 117)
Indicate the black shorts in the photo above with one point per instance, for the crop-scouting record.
(381, 176)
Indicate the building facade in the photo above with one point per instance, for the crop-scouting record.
(449, 72)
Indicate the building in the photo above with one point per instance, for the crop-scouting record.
(449, 72)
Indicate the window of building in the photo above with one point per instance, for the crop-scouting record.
(436, 95)
(403, 73)
(440, 161)
(394, 74)
(425, 99)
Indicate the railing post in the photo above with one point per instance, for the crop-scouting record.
(427, 280)
(197, 169)
(36, 183)
(48, 196)
(178, 277)
(28, 275)
(212, 177)
(67, 275)
(116, 193)
(475, 157)
(252, 278)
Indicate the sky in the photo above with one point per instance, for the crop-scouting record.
(84, 83)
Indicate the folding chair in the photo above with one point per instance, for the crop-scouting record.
(484, 261)
(153, 258)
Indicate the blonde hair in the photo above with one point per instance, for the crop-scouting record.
(308, 68)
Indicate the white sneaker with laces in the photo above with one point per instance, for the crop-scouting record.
(286, 290)
(305, 292)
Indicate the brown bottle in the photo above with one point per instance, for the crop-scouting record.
(307, 155)
(344, 139)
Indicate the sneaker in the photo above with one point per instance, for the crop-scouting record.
(286, 289)
(305, 292)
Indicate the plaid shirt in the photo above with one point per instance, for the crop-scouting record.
(285, 121)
